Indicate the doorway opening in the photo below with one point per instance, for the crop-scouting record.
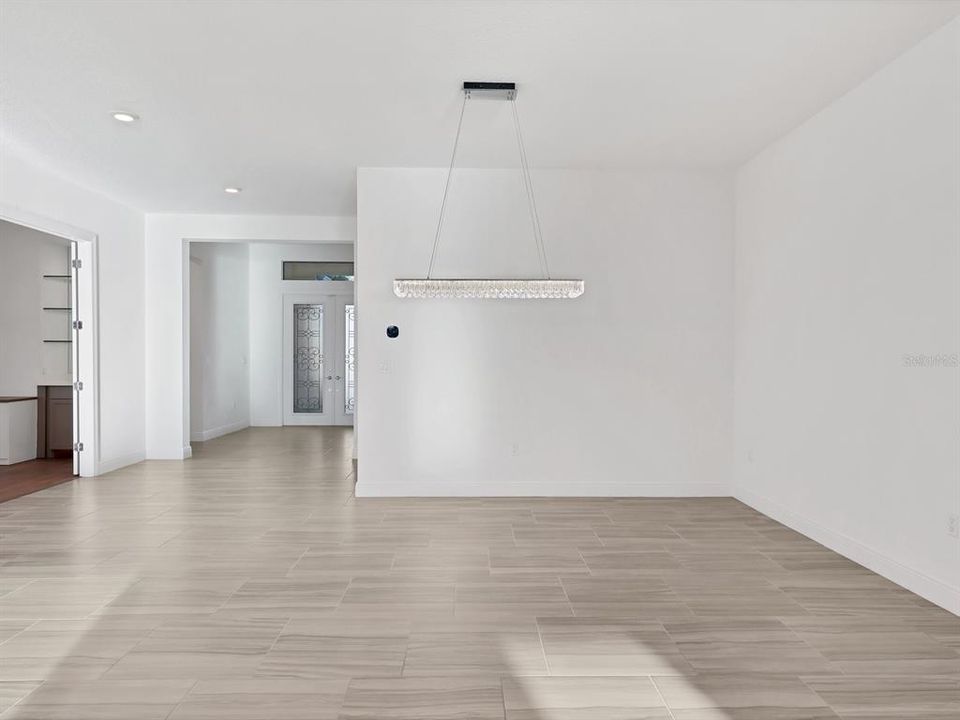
(272, 330)
(47, 350)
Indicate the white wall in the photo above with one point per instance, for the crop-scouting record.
(25, 360)
(625, 391)
(168, 304)
(219, 339)
(847, 262)
(266, 319)
(28, 188)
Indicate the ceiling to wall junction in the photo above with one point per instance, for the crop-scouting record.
(285, 98)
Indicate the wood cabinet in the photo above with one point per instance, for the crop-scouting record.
(54, 421)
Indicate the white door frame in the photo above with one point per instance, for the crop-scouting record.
(86, 371)
(340, 293)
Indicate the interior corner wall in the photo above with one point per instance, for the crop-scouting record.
(625, 391)
(219, 339)
(848, 323)
(30, 188)
(267, 288)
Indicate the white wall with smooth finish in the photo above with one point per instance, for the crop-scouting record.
(27, 255)
(847, 266)
(624, 391)
(219, 339)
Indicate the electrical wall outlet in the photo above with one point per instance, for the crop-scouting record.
(515, 449)
(953, 526)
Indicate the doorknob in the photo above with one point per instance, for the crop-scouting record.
(338, 377)
(330, 377)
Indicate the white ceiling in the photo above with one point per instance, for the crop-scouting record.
(286, 98)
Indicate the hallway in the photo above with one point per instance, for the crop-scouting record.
(249, 583)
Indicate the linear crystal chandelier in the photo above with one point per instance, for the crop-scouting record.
(543, 288)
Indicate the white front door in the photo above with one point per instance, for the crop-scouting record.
(318, 359)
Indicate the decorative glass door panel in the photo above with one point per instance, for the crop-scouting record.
(349, 359)
(308, 365)
(319, 367)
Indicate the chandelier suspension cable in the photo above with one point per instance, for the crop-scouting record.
(544, 287)
(527, 186)
(446, 187)
(531, 198)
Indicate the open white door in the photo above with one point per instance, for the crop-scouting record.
(75, 324)
(83, 357)
(83, 354)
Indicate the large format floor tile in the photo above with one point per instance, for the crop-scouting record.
(741, 694)
(262, 699)
(249, 583)
(582, 698)
(102, 700)
(610, 647)
(887, 696)
(432, 698)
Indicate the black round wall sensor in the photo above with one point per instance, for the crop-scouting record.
(393, 331)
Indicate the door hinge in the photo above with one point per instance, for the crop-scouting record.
(78, 447)
(78, 324)
(76, 263)
(78, 385)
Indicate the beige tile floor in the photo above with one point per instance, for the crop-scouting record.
(249, 584)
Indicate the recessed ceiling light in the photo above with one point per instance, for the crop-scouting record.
(232, 190)
(124, 116)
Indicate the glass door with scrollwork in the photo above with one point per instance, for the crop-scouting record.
(319, 372)
(347, 397)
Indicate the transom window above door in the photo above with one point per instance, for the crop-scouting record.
(317, 270)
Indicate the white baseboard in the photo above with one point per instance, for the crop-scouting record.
(923, 585)
(268, 422)
(218, 431)
(180, 453)
(111, 464)
(545, 489)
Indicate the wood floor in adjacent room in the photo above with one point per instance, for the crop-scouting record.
(33, 475)
(249, 584)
